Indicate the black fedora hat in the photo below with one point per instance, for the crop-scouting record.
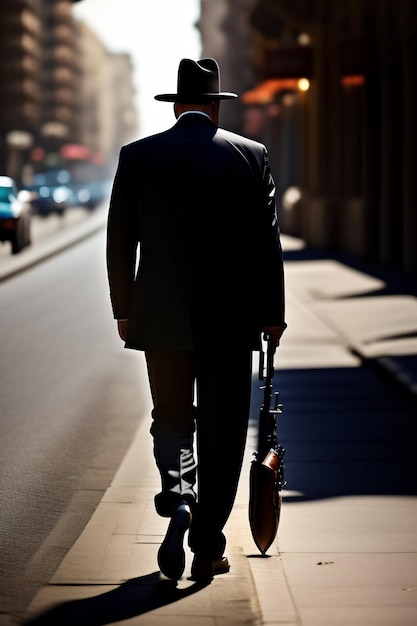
(198, 81)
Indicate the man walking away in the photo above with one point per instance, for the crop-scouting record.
(198, 204)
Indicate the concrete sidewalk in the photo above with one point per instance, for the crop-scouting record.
(346, 547)
(110, 575)
(348, 541)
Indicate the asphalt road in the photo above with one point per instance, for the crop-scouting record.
(70, 401)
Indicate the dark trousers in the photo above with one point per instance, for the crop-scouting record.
(218, 412)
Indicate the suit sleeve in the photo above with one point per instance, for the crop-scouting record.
(122, 241)
(273, 266)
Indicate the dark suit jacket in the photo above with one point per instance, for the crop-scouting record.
(200, 202)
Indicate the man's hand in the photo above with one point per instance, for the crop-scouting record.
(122, 326)
(275, 332)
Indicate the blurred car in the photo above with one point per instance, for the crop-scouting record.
(48, 194)
(89, 195)
(56, 190)
(15, 215)
(46, 200)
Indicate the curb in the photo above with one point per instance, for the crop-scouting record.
(52, 245)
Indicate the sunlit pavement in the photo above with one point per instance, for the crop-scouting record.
(369, 317)
(346, 547)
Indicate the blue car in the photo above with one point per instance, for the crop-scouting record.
(50, 193)
(15, 215)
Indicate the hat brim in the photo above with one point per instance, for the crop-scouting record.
(200, 97)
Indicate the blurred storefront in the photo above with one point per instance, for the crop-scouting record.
(333, 95)
(347, 142)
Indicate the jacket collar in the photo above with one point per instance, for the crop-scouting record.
(194, 117)
(193, 113)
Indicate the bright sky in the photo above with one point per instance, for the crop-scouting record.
(157, 34)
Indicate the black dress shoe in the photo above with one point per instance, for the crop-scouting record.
(204, 569)
(171, 555)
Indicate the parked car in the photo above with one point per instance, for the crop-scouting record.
(15, 215)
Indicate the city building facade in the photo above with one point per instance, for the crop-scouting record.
(61, 93)
(225, 35)
(108, 118)
(333, 97)
(20, 81)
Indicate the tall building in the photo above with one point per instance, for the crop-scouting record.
(38, 69)
(108, 118)
(64, 99)
(20, 73)
(225, 35)
(61, 72)
(124, 114)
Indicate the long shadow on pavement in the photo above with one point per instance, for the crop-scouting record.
(134, 597)
(346, 431)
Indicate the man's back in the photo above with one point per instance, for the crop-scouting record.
(195, 192)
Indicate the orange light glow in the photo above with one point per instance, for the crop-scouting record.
(265, 92)
(353, 80)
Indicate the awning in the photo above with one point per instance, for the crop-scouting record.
(266, 91)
